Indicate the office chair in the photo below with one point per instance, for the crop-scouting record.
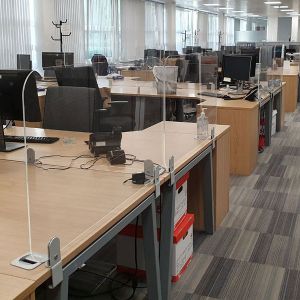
(100, 64)
(116, 114)
(193, 68)
(71, 109)
(182, 65)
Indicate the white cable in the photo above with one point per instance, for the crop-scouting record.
(26, 163)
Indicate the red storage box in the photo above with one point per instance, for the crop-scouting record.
(182, 248)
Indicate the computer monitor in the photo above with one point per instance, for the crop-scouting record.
(278, 51)
(171, 53)
(151, 53)
(24, 62)
(237, 67)
(76, 76)
(11, 108)
(197, 49)
(254, 53)
(51, 60)
(57, 59)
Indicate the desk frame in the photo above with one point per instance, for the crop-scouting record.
(148, 212)
(168, 208)
(274, 100)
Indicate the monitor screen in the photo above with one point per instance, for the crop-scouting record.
(57, 59)
(11, 86)
(254, 53)
(79, 76)
(237, 67)
(24, 62)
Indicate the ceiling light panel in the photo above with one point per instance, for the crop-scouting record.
(272, 2)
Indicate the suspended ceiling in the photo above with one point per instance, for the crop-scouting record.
(246, 7)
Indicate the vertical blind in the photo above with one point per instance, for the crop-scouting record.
(73, 11)
(15, 31)
(118, 29)
(154, 25)
(229, 32)
(213, 32)
(186, 25)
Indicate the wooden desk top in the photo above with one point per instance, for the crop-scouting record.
(75, 205)
(228, 104)
(78, 205)
(14, 287)
(151, 143)
(145, 91)
(293, 71)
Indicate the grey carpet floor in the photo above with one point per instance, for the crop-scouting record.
(255, 254)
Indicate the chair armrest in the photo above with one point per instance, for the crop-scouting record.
(118, 102)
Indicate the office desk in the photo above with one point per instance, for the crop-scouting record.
(190, 155)
(63, 210)
(146, 75)
(291, 77)
(243, 118)
(151, 143)
(15, 288)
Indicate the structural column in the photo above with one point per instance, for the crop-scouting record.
(295, 29)
(272, 30)
(170, 30)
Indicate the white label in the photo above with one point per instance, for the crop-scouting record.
(99, 144)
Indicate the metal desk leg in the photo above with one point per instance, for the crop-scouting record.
(61, 292)
(277, 100)
(151, 252)
(208, 193)
(142, 112)
(137, 113)
(269, 112)
(166, 239)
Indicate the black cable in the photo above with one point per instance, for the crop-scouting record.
(39, 164)
(110, 279)
(127, 180)
(92, 162)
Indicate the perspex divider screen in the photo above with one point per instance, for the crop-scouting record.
(183, 136)
(82, 184)
(14, 206)
(210, 90)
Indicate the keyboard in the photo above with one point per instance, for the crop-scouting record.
(212, 94)
(31, 139)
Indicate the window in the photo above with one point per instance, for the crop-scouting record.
(186, 26)
(229, 34)
(102, 28)
(202, 33)
(213, 32)
(154, 25)
(94, 27)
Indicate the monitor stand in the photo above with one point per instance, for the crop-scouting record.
(7, 146)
